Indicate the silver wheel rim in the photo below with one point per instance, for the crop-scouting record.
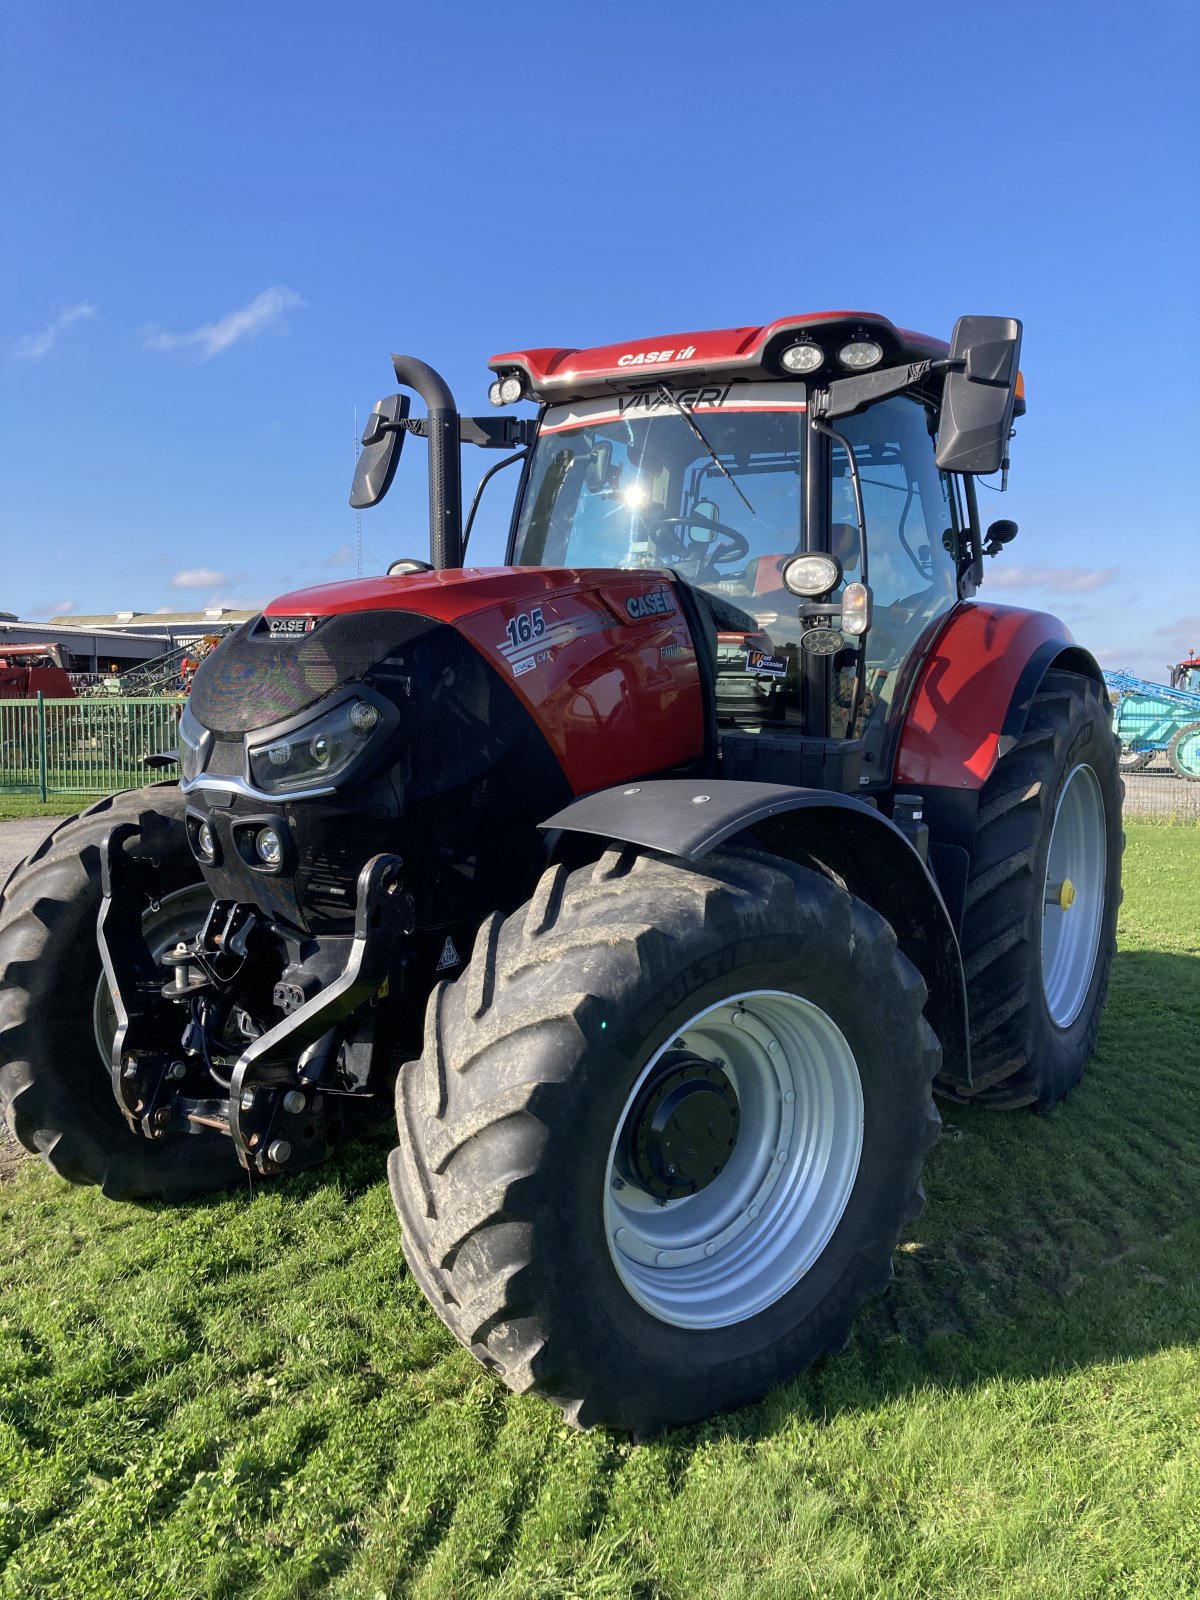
(1073, 896)
(722, 1255)
(177, 916)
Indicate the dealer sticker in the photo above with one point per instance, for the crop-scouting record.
(758, 661)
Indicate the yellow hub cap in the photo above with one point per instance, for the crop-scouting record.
(1061, 894)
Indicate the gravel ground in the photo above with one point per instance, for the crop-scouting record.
(18, 838)
(1157, 792)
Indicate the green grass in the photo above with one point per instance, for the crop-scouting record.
(249, 1397)
(28, 805)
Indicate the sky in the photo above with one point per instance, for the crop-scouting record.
(219, 220)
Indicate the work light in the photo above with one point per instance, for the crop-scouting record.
(802, 357)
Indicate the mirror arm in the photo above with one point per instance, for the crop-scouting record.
(844, 396)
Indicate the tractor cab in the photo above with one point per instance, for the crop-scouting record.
(711, 483)
(828, 555)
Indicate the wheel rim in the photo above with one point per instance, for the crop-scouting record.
(726, 1253)
(1130, 760)
(177, 916)
(1073, 896)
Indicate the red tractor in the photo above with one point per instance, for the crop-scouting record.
(27, 669)
(665, 872)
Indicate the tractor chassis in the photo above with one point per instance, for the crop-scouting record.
(296, 1086)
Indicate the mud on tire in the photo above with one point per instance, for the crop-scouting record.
(508, 1119)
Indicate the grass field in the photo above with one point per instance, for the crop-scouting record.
(248, 1397)
(28, 805)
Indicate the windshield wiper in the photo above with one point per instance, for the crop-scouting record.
(687, 416)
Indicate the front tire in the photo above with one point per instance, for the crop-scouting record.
(1039, 929)
(518, 1166)
(55, 1090)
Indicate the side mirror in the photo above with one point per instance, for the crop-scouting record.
(599, 461)
(979, 395)
(382, 439)
(703, 511)
(998, 535)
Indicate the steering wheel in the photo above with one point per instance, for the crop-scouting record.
(737, 549)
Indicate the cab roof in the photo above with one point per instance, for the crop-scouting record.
(551, 374)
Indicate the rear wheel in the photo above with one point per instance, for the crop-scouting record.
(56, 1019)
(1184, 753)
(1133, 760)
(1039, 928)
(664, 1133)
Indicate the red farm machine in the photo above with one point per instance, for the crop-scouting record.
(664, 873)
(29, 669)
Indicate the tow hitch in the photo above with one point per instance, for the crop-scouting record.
(291, 1089)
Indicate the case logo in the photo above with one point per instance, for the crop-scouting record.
(657, 603)
(292, 625)
(650, 358)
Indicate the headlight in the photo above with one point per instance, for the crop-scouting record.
(316, 754)
(812, 574)
(194, 741)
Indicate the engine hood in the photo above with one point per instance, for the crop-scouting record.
(443, 596)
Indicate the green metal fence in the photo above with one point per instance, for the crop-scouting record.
(82, 746)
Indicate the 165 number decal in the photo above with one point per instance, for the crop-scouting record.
(528, 625)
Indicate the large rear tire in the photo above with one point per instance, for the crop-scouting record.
(664, 1134)
(55, 1090)
(1039, 929)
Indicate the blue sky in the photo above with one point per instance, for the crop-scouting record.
(220, 219)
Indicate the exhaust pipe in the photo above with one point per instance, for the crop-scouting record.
(445, 463)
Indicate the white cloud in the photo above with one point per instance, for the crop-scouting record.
(1181, 628)
(1063, 580)
(198, 578)
(214, 337)
(341, 557)
(59, 608)
(36, 345)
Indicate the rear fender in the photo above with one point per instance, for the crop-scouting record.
(838, 835)
(974, 692)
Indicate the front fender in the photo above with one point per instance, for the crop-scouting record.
(836, 834)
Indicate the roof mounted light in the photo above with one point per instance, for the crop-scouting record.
(506, 391)
(860, 354)
(811, 574)
(802, 357)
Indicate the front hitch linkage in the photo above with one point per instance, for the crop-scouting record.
(272, 1092)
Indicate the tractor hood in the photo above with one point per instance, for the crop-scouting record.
(443, 596)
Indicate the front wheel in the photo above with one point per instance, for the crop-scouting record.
(664, 1134)
(56, 1017)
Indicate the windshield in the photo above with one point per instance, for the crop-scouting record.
(628, 482)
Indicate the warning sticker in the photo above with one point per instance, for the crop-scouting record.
(449, 956)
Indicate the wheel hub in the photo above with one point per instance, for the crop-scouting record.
(683, 1129)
